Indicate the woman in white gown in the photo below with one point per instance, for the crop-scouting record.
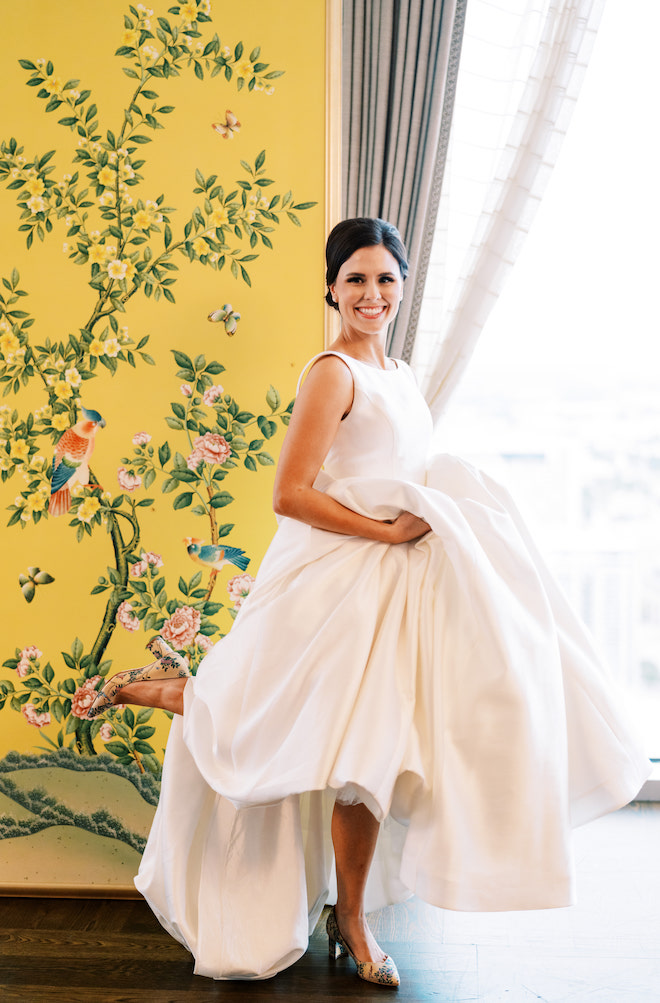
(404, 666)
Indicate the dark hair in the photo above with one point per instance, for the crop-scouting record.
(352, 234)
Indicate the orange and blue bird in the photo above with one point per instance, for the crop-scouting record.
(214, 555)
(71, 460)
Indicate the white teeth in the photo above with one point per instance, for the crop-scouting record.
(370, 311)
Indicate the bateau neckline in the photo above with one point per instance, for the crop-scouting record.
(378, 369)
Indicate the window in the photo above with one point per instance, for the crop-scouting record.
(561, 401)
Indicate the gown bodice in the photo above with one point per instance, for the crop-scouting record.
(388, 430)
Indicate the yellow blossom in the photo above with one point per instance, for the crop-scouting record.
(62, 390)
(66, 247)
(4, 325)
(117, 270)
(130, 37)
(35, 186)
(263, 203)
(128, 200)
(97, 254)
(95, 236)
(185, 40)
(53, 85)
(126, 171)
(270, 90)
(123, 335)
(97, 347)
(226, 52)
(88, 509)
(142, 219)
(107, 198)
(20, 160)
(205, 7)
(72, 95)
(5, 462)
(106, 495)
(219, 216)
(36, 204)
(35, 502)
(60, 364)
(245, 69)
(9, 343)
(251, 216)
(149, 53)
(189, 10)
(130, 270)
(78, 490)
(41, 63)
(51, 379)
(5, 415)
(61, 421)
(199, 47)
(110, 251)
(106, 176)
(96, 147)
(42, 413)
(112, 347)
(253, 199)
(200, 246)
(73, 377)
(19, 450)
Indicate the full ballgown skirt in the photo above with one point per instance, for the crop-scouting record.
(445, 683)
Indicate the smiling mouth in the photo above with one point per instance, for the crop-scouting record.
(370, 312)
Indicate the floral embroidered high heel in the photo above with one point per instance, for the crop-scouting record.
(168, 665)
(383, 973)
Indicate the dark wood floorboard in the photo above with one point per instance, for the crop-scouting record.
(75, 951)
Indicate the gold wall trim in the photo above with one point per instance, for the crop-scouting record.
(333, 96)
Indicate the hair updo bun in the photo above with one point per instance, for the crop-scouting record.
(350, 235)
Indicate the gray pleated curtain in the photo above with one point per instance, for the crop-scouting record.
(400, 63)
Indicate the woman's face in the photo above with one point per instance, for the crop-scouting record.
(368, 290)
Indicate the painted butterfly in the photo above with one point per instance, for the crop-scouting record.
(228, 128)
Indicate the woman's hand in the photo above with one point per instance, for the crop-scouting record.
(407, 527)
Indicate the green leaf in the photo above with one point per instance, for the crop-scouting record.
(183, 500)
(221, 499)
(249, 463)
(164, 453)
(265, 459)
(77, 649)
(273, 398)
(182, 360)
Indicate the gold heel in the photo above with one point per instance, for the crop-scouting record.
(382, 973)
(168, 666)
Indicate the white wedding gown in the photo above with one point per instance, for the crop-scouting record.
(445, 683)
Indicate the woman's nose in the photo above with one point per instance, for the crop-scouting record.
(372, 290)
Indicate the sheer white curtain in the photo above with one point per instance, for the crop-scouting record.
(522, 66)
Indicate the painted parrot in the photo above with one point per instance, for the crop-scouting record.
(214, 555)
(71, 460)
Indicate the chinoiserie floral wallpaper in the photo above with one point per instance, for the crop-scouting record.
(162, 180)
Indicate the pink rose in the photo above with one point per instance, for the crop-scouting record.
(141, 438)
(194, 460)
(152, 558)
(211, 395)
(238, 588)
(137, 570)
(212, 448)
(30, 714)
(31, 652)
(128, 480)
(23, 668)
(186, 389)
(181, 627)
(105, 731)
(203, 642)
(127, 617)
(83, 698)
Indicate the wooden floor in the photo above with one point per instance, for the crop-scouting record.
(604, 950)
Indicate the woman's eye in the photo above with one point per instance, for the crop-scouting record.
(355, 279)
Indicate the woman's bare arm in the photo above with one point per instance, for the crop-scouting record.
(325, 396)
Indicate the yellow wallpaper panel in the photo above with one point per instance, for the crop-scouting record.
(85, 282)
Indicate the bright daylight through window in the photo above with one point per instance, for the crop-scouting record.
(560, 400)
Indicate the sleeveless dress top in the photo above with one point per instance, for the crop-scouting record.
(445, 683)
